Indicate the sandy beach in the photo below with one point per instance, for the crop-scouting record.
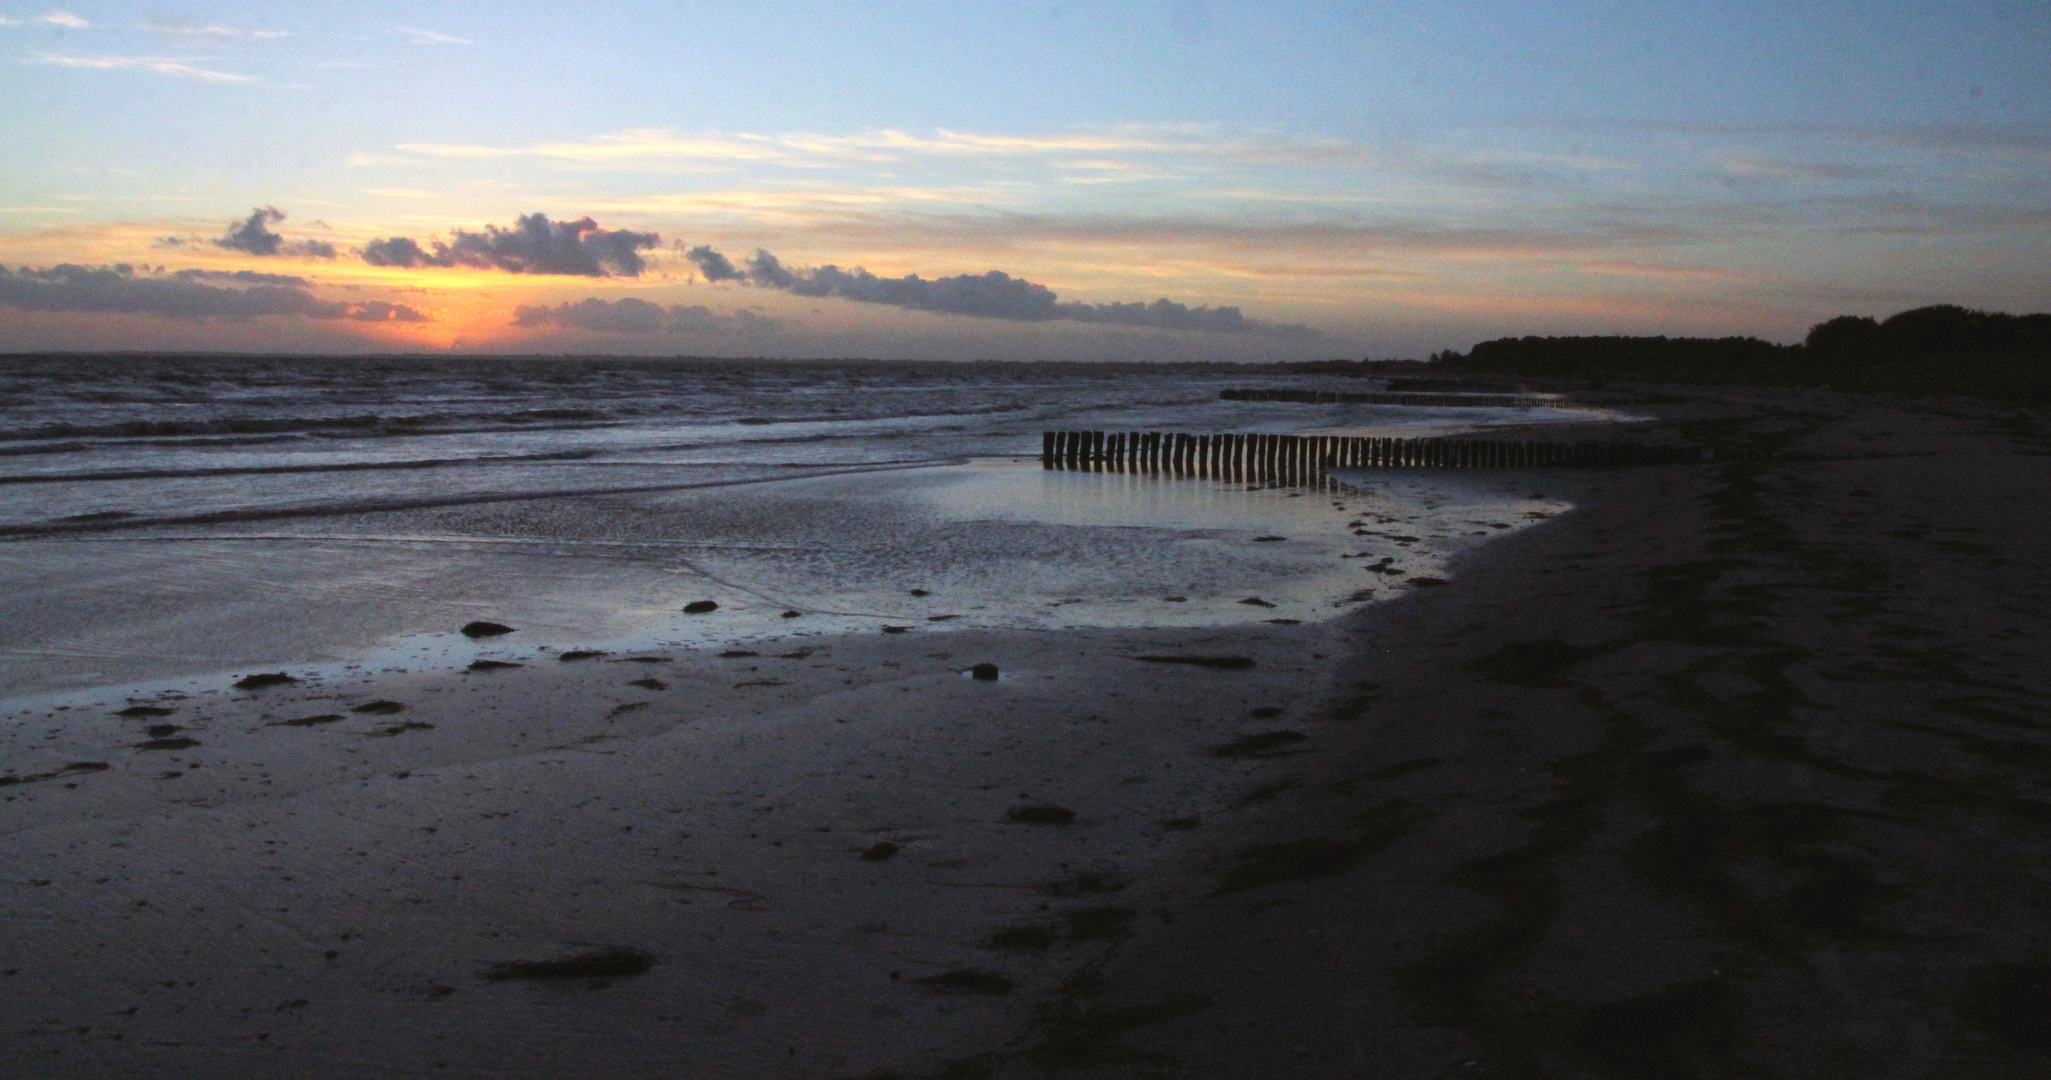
(1734, 770)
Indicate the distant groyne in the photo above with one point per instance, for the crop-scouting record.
(1440, 399)
(1288, 459)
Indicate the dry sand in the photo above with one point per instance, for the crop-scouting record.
(1739, 770)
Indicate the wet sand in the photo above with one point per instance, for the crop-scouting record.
(1740, 770)
(805, 856)
(1736, 770)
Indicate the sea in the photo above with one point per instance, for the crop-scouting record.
(173, 516)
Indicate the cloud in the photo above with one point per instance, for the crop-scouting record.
(628, 316)
(383, 311)
(994, 295)
(631, 316)
(699, 319)
(254, 237)
(713, 265)
(1663, 273)
(176, 28)
(251, 237)
(64, 19)
(173, 66)
(242, 277)
(533, 245)
(804, 147)
(122, 288)
(430, 37)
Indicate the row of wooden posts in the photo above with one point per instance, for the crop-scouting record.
(1384, 397)
(1304, 458)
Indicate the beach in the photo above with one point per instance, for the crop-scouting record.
(1717, 769)
(1737, 770)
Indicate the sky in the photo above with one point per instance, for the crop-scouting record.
(1153, 180)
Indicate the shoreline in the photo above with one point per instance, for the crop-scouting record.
(992, 543)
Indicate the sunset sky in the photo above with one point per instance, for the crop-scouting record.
(1294, 180)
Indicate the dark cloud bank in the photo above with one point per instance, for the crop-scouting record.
(995, 295)
(533, 245)
(185, 294)
(631, 316)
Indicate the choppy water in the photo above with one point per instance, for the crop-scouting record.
(161, 516)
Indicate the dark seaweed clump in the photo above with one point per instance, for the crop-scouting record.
(613, 960)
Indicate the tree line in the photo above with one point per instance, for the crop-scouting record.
(1939, 349)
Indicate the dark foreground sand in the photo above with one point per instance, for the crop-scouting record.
(1739, 770)
(1742, 770)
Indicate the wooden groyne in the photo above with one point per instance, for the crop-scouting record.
(1438, 398)
(1289, 459)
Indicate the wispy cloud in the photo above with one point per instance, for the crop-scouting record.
(430, 37)
(174, 66)
(620, 146)
(65, 19)
(875, 146)
(176, 28)
(1663, 273)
